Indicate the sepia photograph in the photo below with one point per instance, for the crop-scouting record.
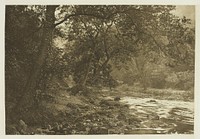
(99, 69)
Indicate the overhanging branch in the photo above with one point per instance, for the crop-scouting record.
(150, 35)
(89, 14)
(157, 44)
(80, 14)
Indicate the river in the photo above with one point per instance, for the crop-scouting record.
(162, 116)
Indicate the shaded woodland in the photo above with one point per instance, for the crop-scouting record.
(63, 62)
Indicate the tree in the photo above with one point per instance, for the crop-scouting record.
(26, 102)
(142, 32)
(151, 33)
(21, 48)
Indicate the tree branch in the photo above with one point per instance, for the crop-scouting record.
(150, 35)
(88, 14)
(79, 14)
(158, 45)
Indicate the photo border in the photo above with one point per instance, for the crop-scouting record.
(106, 2)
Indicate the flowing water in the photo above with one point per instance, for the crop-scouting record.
(162, 116)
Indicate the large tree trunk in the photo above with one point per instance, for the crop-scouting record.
(26, 101)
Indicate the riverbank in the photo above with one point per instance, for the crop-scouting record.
(116, 111)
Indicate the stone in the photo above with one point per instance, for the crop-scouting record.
(117, 98)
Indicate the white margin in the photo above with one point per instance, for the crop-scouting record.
(118, 2)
